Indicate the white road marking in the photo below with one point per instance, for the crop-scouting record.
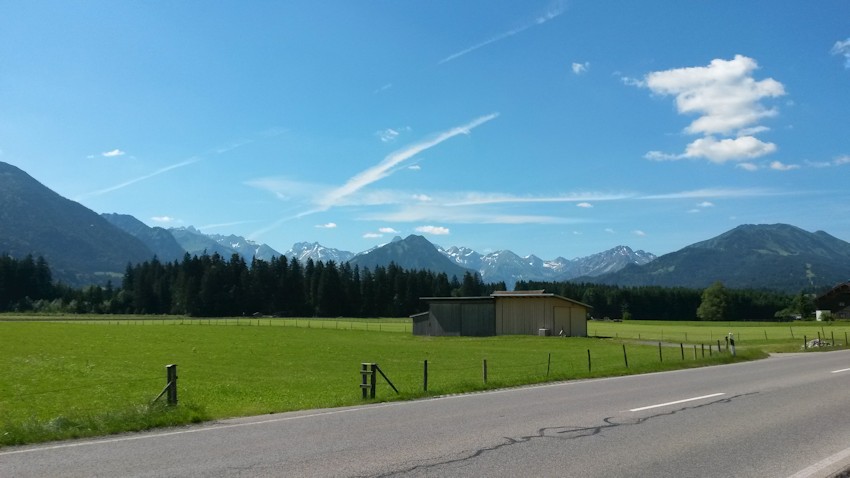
(819, 467)
(842, 370)
(676, 402)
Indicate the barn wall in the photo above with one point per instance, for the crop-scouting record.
(527, 315)
(461, 317)
(482, 317)
(422, 324)
(578, 321)
(478, 320)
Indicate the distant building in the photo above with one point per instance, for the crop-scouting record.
(503, 313)
(836, 301)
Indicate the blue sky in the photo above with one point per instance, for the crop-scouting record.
(552, 128)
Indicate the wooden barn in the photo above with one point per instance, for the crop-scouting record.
(836, 301)
(503, 313)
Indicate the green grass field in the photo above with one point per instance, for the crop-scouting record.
(768, 336)
(84, 377)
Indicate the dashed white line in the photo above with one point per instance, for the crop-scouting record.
(676, 402)
(842, 370)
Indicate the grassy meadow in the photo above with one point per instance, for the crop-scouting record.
(767, 336)
(83, 376)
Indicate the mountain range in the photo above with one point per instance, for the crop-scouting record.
(766, 256)
(80, 246)
(83, 247)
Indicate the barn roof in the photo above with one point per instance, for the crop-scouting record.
(842, 288)
(524, 294)
(534, 294)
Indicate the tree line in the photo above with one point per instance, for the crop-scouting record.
(672, 303)
(210, 286)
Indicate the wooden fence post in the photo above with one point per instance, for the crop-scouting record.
(171, 378)
(367, 384)
(425, 377)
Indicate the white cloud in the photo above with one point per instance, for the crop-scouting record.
(462, 215)
(330, 225)
(387, 230)
(609, 230)
(164, 219)
(713, 193)
(693, 211)
(390, 134)
(727, 101)
(639, 233)
(434, 230)
(841, 160)
(779, 166)
(842, 48)
(387, 135)
(113, 154)
(554, 12)
(629, 81)
(221, 225)
(423, 197)
(747, 166)
(724, 94)
(753, 131)
(383, 88)
(728, 149)
(580, 68)
(415, 167)
(584, 205)
(705, 204)
(478, 199)
(372, 235)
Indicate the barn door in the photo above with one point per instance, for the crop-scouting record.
(562, 321)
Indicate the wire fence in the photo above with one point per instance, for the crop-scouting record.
(371, 324)
(836, 334)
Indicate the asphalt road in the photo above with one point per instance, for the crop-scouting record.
(782, 417)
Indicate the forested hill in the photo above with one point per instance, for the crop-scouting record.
(80, 246)
(775, 257)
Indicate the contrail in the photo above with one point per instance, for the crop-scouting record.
(549, 15)
(384, 168)
(140, 178)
